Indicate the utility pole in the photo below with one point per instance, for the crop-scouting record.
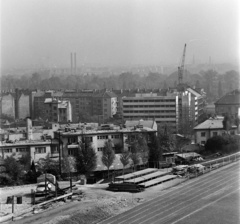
(59, 151)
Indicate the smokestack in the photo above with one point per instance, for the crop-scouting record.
(75, 63)
(71, 63)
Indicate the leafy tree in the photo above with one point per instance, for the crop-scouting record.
(227, 122)
(5, 179)
(155, 151)
(31, 175)
(139, 150)
(125, 158)
(13, 170)
(166, 140)
(68, 164)
(48, 165)
(25, 161)
(180, 142)
(108, 155)
(220, 91)
(197, 84)
(86, 158)
(236, 121)
(224, 144)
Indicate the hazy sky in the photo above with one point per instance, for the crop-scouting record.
(115, 32)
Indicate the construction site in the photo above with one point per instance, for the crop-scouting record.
(96, 202)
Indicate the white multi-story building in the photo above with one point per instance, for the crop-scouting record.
(163, 109)
(97, 136)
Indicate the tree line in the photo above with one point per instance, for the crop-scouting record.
(214, 83)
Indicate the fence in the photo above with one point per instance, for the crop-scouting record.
(221, 161)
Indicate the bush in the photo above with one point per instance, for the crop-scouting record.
(225, 144)
(5, 179)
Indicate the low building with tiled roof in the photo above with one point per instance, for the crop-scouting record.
(210, 128)
(229, 104)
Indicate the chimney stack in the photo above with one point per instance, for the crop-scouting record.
(75, 63)
(71, 63)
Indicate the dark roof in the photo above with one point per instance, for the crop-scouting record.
(230, 98)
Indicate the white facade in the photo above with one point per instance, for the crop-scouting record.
(8, 105)
(163, 109)
(211, 127)
(35, 149)
(202, 136)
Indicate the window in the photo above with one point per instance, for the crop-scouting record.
(8, 150)
(40, 149)
(214, 133)
(100, 149)
(21, 150)
(54, 149)
(72, 140)
(88, 139)
(102, 137)
(72, 152)
(203, 134)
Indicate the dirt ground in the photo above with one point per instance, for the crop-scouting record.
(94, 202)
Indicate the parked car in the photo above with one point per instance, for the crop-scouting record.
(42, 190)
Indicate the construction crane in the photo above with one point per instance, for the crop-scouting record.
(181, 67)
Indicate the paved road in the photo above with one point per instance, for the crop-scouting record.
(200, 201)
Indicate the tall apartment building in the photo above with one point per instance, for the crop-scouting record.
(100, 103)
(38, 101)
(105, 104)
(81, 102)
(163, 109)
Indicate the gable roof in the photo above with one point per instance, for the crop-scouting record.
(212, 123)
(230, 98)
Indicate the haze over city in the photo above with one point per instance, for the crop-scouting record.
(111, 32)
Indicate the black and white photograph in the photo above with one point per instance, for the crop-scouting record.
(119, 112)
